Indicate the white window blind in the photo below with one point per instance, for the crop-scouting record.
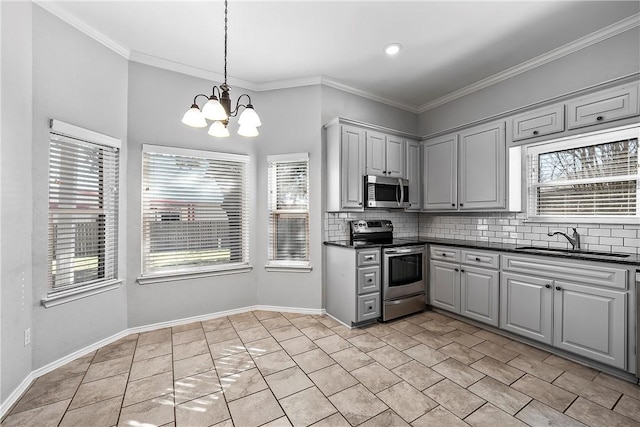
(194, 210)
(288, 209)
(589, 177)
(83, 208)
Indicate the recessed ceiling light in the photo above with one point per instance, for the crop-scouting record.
(392, 49)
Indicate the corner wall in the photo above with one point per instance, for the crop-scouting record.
(78, 81)
(15, 197)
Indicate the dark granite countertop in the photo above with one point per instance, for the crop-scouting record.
(501, 247)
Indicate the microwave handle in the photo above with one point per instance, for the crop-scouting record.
(397, 200)
(401, 191)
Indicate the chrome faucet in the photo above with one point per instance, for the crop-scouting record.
(574, 239)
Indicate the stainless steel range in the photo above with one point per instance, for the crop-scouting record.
(403, 276)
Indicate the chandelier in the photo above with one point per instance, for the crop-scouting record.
(218, 106)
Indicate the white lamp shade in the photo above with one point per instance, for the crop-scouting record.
(218, 129)
(194, 118)
(213, 110)
(250, 118)
(248, 131)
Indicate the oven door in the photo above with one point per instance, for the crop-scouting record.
(403, 271)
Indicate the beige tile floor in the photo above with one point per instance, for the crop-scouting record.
(280, 369)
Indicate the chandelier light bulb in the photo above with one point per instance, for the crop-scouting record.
(213, 110)
(218, 129)
(194, 117)
(249, 117)
(248, 131)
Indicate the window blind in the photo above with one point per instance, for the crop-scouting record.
(598, 178)
(194, 210)
(288, 181)
(83, 212)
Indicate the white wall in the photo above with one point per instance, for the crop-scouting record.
(612, 58)
(79, 81)
(15, 181)
(157, 101)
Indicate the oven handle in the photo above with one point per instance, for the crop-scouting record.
(404, 251)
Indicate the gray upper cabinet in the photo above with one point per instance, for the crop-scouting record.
(440, 173)
(345, 167)
(482, 182)
(536, 123)
(385, 155)
(604, 106)
(413, 174)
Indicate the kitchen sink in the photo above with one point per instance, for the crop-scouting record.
(581, 252)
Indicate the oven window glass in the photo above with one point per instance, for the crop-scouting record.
(405, 269)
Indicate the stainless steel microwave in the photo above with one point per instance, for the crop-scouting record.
(385, 192)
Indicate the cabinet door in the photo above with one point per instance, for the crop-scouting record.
(444, 285)
(352, 167)
(479, 288)
(604, 106)
(543, 121)
(481, 182)
(591, 322)
(376, 154)
(413, 174)
(395, 157)
(525, 306)
(440, 163)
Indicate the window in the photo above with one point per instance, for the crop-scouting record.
(194, 211)
(83, 210)
(586, 177)
(288, 210)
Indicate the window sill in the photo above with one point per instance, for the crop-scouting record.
(288, 268)
(172, 277)
(79, 293)
(583, 220)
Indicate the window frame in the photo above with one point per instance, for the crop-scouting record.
(578, 141)
(64, 131)
(303, 266)
(204, 270)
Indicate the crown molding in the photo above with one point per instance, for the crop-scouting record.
(143, 58)
(569, 48)
(83, 27)
(353, 90)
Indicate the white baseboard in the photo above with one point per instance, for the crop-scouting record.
(24, 385)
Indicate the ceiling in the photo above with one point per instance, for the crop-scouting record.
(449, 46)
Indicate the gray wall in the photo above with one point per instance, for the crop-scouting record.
(157, 101)
(609, 59)
(79, 81)
(336, 103)
(15, 198)
(291, 120)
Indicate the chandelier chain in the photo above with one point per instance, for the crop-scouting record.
(225, 42)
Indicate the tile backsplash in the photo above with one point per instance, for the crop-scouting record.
(505, 227)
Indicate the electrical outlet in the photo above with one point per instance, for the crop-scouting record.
(27, 336)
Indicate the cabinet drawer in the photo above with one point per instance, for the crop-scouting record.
(368, 257)
(368, 307)
(368, 279)
(445, 253)
(582, 273)
(543, 121)
(607, 105)
(481, 259)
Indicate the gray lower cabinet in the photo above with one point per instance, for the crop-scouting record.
(577, 307)
(467, 283)
(352, 284)
(590, 321)
(525, 306)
